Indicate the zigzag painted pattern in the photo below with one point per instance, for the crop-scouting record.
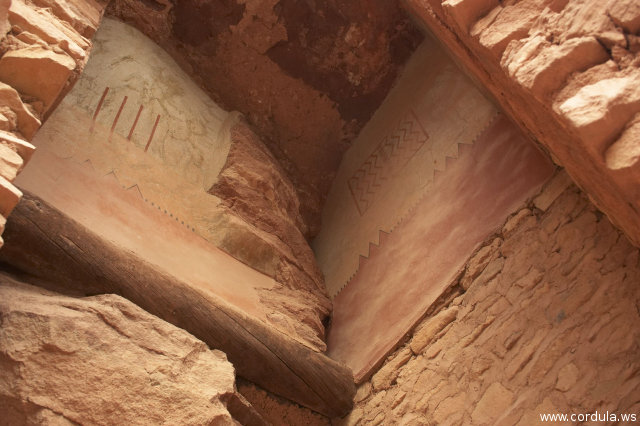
(384, 235)
(393, 153)
(88, 164)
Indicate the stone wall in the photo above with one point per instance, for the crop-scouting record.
(567, 72)
(44, 46)
(545, 318)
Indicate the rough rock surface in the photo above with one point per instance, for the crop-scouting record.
(279, 411)
(47, 48)
(307, 74)
(567, 71)
(43, 49)
(254, 187)
(101, 359)
(556, 329)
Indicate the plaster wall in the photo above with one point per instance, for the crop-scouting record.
(544, 320)
(432, 109)
(435, 172)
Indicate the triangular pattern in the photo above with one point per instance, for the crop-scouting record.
(88, 164)
(437, 174)
(393, 153)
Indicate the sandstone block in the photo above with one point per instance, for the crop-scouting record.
(27, 37)
(466, 12)
(515, 221)
(82, 15)
(389, 372)
(9, 197)
(494, 403)
(479, 262)
(625, 152)
(427, 333)
(27, 123)
(5, 26)
(363, 392)
(10, 163)
(599, 111)
(533, 416)
(37, 72)
(567, 377)
(451, 409)
(102, 359)
(505, 24)
(490, 272)
(43, 25)
(552, 190)
(543, 67)
(23, 148)
(626, 13)
(6, 123)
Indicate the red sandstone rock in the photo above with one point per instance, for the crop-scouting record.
(542, 67)
(466, 12)
(429, 330)
(100, 360)
(37, 72)
(23, 148)
(255, 188)
(83, 15)
(26, 122)
(388, 373)
(9, 197)
(43, 25)
(10, 163)
(625, 13)
(625, 152)
(504, 24)
(5, 26)
(493, 404)
(600, 110)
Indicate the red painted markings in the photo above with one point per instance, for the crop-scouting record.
(115, 120)
(117, 117)
(153, 131)
(134, 123)
(95, 114)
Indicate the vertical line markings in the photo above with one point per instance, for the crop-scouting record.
(153, 131)
(95, 114)
(135, 122)
(115, 120)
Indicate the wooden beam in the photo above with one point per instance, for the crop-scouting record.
(45, 243)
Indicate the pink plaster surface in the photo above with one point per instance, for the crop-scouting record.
(122, 217)
(413, 265)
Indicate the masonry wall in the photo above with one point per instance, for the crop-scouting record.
(544, 319)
